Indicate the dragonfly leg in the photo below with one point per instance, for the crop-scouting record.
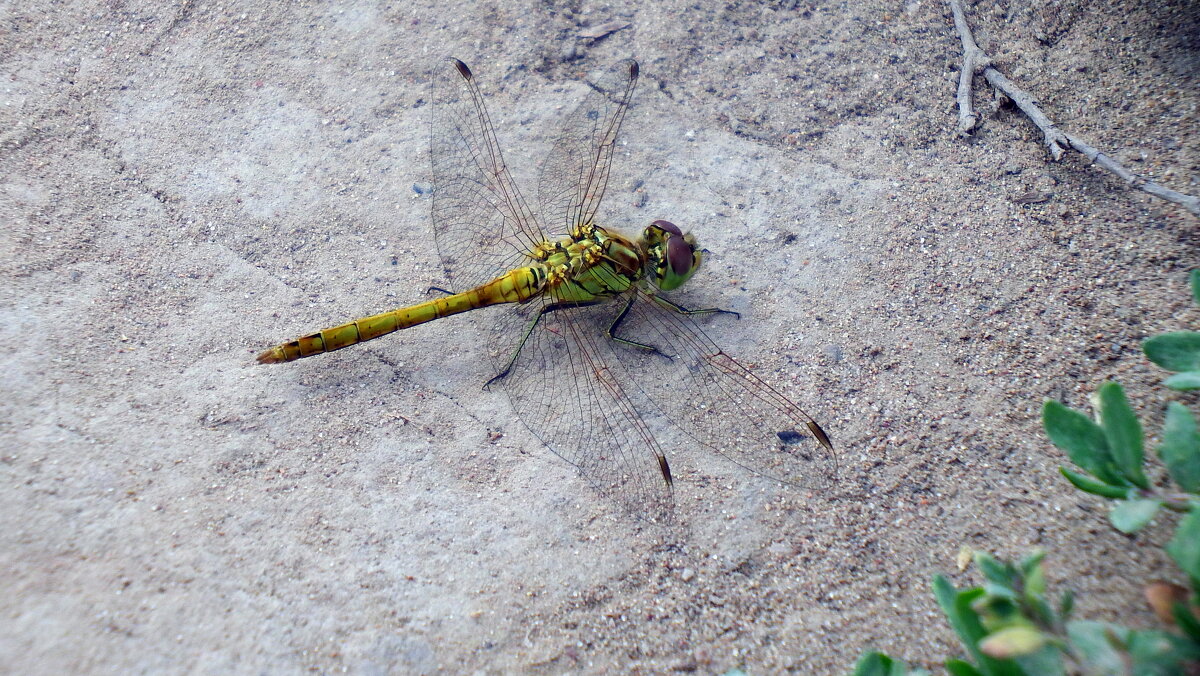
(684, 311)
(439, 290)
(612, 330)
(545, 309)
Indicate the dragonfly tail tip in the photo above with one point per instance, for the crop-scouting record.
(270, 356)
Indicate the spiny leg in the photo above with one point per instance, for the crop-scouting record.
(684, 311)
(439, 290)
(612, 330)
(545, 309)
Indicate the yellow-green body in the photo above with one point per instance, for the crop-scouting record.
(584, 396)
(594, 264)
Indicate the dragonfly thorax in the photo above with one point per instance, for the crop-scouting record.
(591, 263)
(594, 262)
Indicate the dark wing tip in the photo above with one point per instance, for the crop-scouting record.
(462, 69)
(665, 469)
(820, 435)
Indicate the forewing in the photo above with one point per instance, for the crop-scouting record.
(482, 225)
(573, 177)
(719, 402)
(569, 390)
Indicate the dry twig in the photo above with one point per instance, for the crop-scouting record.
(975, 60)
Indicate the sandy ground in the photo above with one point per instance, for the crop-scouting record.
(183, 185)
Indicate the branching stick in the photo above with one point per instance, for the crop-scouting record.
(1057, 141)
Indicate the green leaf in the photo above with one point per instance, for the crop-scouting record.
(1157, 652)
(1187, 621)
(878, 664)
(1196, 285)
(1123, 433)
(1089, 485)
(997, 572)
(1180, 448)
(1185, 546)
(1035, 577)
(1092, 642)
(999, 599)
(873, 664)
(1030, 563)
(962, 668)
(1012, 642)
(1082, 439)
(1038, 609)
(1188, 380)
(1066, 605)
(964, 621)
(1130, 516)
(1045, 662)
(1175, 351)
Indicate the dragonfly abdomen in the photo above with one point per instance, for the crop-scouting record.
(515, 286)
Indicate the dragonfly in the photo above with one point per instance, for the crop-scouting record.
(598, 363)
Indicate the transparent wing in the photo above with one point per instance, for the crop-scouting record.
(719, 402)
(482, 225)
(572, 392)
(563, 385)
(573, 177)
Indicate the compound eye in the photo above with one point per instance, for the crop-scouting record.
(679, 254)
(669, 227)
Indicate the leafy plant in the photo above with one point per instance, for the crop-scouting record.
(1010, 627)
(1110, 454)
(1179, 350)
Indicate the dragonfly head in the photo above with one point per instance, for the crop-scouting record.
(671, 256)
